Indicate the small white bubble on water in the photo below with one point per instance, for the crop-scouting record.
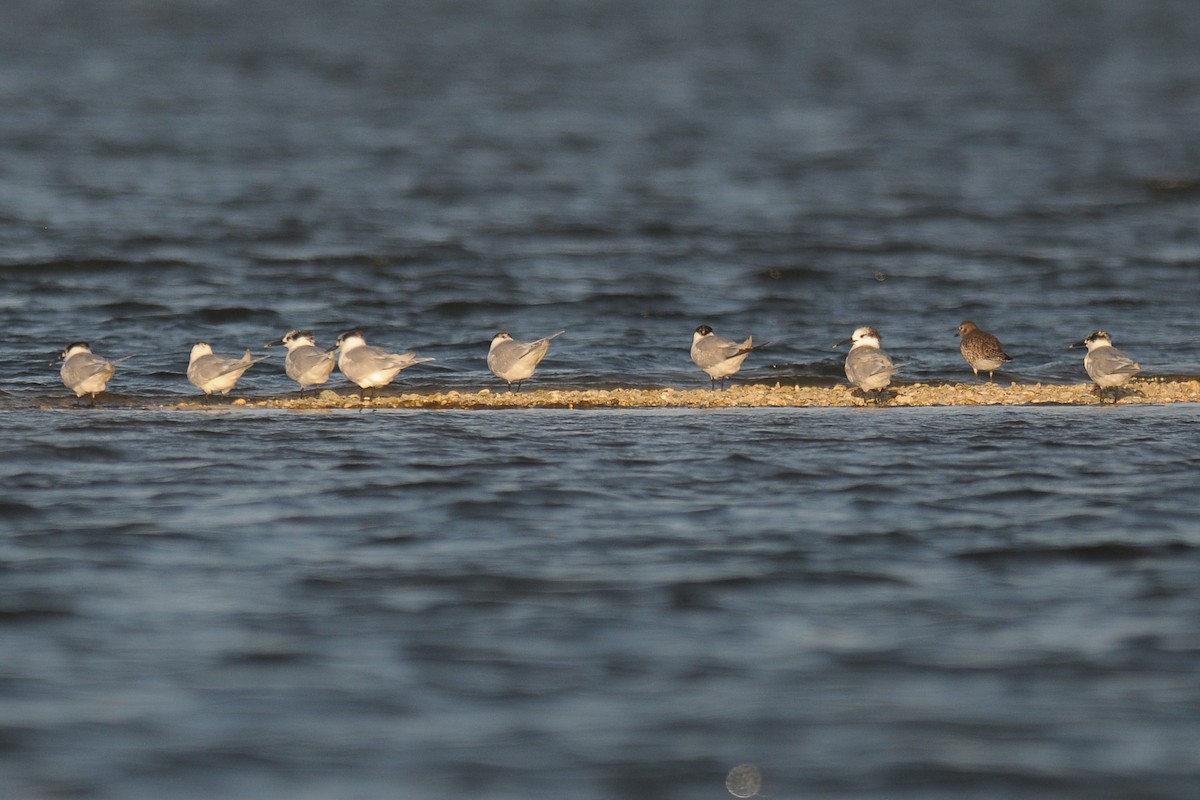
(744, 780)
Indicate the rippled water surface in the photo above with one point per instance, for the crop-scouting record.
(867, 603)
(874, 603)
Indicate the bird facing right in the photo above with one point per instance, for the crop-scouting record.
(210, 373)
(867, 366)
(1107, 366)
(981, 350)
(514, 362)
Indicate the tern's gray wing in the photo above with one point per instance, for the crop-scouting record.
(503, 356)
(535, 350)
(1109, 361)
(310, 364)
(406, 360)
(866, 365)
(507, 355)
(206, 369)
(378, 358)
(516, 361)
(375, 364)
(79, 368)
(712, 350)
(359, 363)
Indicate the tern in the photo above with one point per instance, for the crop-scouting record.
(1107, 366)
(867, 366)
(306, 364)
(514, 362)
(212, 373)
(84, 372)
(717, 356)
(367, 366)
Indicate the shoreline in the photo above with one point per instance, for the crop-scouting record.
(1136, 392)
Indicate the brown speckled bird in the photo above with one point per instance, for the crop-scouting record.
(980, 349)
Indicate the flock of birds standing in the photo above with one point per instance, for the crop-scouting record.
(367, 366)
(868, 367)
(871, 370)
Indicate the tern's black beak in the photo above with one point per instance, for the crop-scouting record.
(335, 347)
(843, 342)
(270, 344)
(1077, 344)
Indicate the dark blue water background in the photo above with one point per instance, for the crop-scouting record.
(867, 603)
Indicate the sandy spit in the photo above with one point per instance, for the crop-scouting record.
(748, 396)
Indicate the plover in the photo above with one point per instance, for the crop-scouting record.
(981, 349)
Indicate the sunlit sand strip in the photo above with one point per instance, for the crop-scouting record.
(746, 396)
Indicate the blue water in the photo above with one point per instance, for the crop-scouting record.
(864, 603)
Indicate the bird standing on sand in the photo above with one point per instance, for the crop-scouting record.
(867, 366)
(717, 356)
(212, 373)
(306, 364)
(367, 366)
(981, 349)
(1107, 366)
(84, 372)
(514, 362)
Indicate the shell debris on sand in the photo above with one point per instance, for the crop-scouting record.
(1154, 390)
